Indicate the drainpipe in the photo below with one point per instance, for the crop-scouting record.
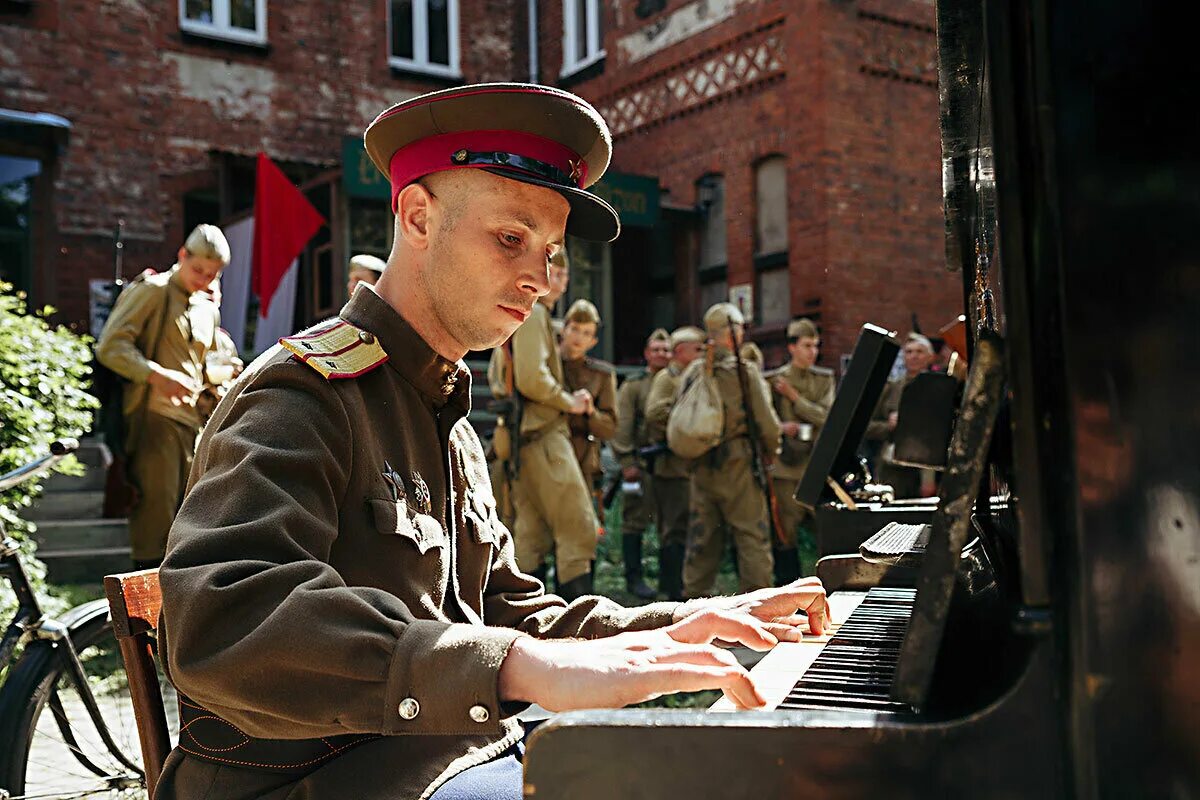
(533, 41)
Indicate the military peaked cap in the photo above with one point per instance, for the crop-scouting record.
(529, 133)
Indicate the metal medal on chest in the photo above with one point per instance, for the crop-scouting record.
(421, 495)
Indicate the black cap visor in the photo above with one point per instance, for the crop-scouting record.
(591, 218)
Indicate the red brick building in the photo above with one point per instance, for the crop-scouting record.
(797, 150)
(784, 147)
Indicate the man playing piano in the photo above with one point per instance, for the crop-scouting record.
(342, 611)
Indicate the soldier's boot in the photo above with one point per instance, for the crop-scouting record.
(670, 570)
(787, 566)
(576, 587)
(631, 551)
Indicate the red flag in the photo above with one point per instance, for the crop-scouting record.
(284, 221)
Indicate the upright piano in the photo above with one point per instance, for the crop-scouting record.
(1048, 645)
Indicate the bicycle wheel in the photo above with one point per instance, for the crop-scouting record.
(56, 749)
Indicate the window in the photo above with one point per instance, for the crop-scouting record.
(582, 36)
(710, 202)
(771, 220)
(235, 20)
(771, 240)
(423, 36)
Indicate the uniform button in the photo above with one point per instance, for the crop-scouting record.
(448, 389)
(409, 708)
(480, 714)
(366, 337)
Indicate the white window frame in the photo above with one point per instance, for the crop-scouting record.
(420, 61)
(572, 60)
(220, 27)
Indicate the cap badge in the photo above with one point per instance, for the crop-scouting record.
(576, 169)
(460, 157)
(421, 494)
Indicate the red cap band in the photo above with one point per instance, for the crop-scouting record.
(437, 153)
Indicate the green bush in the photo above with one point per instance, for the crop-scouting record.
(44, 396)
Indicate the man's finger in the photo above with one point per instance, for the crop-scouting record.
(785, 632)
(734, 681)
(701, 655)
(706, 626)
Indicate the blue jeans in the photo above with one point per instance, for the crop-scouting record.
(498, 779)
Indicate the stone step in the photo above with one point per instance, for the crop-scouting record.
(93, 479)
(66, 505)
(93, 453)
(85, 566)
(85, 550)
(60, 536)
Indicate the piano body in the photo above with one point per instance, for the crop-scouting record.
(1048, 646)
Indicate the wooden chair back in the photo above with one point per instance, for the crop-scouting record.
(135, 600)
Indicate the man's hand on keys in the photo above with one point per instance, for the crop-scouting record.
(561, 675)
(786, 612)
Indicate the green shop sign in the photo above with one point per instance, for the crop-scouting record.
(635, 197)
(359, 176)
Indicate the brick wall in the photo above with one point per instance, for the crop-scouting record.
(149, 106)
(846, 90)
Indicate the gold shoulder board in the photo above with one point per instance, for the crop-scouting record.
(337, 349)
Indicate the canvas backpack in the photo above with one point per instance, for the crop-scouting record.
(697, 420)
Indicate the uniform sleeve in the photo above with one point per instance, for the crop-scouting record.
(602, 424)
(531, 371)
(658, 406)
(624, 441)
(515, 600)
(877, 428)
(764, 412)
(260, 629)
(815, 411)
(117, 348)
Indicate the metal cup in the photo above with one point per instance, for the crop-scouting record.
(805, 433)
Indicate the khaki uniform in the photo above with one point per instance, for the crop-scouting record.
(906, 481)
(552, 502)
(339, 588)
(160, 436)
(630, 436)
(724, 493)
(672, 482)
(588, 431)
(815, 386)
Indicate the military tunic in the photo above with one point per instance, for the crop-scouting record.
(638, 507)
(553, 506)
(815, 385)
(672, 474)
(337, 568)
(158, 312)
(725, 498)
(906, 481)
(589, 430)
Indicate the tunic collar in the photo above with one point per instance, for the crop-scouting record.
(442, 381)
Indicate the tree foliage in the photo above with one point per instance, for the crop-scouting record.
(44, 396)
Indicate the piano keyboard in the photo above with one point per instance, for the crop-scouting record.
(850, 667)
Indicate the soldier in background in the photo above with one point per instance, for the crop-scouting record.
(363, 269)
(598, 378)
(672, 474)
(802, 394)
(753, 354)
(725, 496)
(158, 338)
(638, 508)
(552, 503)
(905, 481)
